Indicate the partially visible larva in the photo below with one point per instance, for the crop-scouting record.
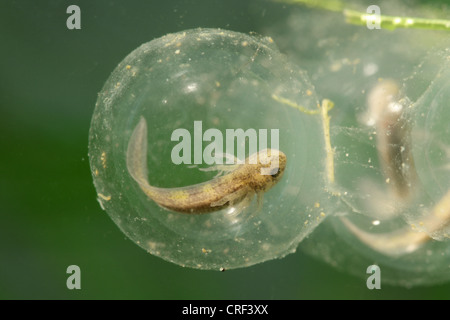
(407, 239)
(386, 113)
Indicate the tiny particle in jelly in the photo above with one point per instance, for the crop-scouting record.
(106, 198)
(103, 159)
(101, 204)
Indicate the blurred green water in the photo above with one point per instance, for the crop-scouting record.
(49, 216)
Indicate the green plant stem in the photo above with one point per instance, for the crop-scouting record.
(391, 22)
(361, 18)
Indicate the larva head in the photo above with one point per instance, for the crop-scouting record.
(270, 167)
(383, 103)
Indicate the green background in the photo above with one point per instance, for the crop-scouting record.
(49, 215)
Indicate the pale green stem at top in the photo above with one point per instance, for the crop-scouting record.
(361, 18)
(330, 5)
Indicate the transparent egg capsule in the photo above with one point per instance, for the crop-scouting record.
(196, 156)
(392, 174)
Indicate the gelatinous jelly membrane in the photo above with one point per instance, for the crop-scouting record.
(386, 209)
(393, 179)
(223, 80)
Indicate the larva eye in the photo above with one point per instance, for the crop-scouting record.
(206, 82)
(277, 173)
